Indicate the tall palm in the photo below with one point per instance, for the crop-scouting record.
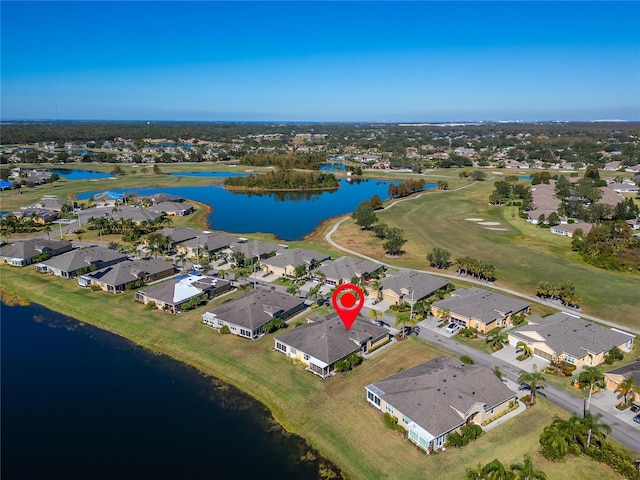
(444, 314)
(595, 429)
(475, 473)
(526, 471)
(592, 376)
(47, 228)
(534, 379)
(626, 387)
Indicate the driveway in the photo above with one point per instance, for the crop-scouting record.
(508, 354)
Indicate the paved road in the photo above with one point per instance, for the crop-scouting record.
(627, 434)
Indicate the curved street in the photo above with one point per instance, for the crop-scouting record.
(627, 434)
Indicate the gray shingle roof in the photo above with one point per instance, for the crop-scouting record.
(33, 247)
(631, 370)
(437, 394)
(83, 257)
(128, 271)
(346, 268)
(328, 340)
(179, 290)
(296, 256)
(571, 335)
(421, 284)
(255, 248)
(481, 304)
(210, 241)
(180, 234)
(256, 308)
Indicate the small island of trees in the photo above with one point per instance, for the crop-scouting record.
(284, 180)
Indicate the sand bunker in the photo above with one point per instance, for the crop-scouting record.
(474, 219)
(496, 229)
(489, 224)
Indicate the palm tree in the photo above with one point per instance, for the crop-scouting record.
(403, 318)
(592, 376)
(596, 429)
(525, 348)
(534, 379)
(444, 314)
(626, 387)
(293, 289)
(300, 271)
(554, 443)
(525, 470)
(475, 473)
(47, 228)
(495, 470)
(497, 338)
(181, 257)
(375, 314)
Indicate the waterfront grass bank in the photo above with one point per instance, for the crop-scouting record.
(331, 415)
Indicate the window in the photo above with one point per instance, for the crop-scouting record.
(569, 359)
(245, 333)
(389, 408)
(281, 346)
(293, 351)
(306, 357)
(373, 398)
(405, 420)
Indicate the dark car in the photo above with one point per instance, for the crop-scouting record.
(637, 418)
(635, 408)
(416, 331)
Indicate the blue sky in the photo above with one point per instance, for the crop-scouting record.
(313, 61)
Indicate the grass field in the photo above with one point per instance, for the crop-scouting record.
(523, 253)
(332, 415)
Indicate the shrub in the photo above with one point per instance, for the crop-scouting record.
(392, 422)
(273, 325)
(225, 330)
(615, 458)
(348, 362)
(467, 359)
(150, 306)
(95, 288)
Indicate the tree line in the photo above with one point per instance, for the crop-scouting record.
(285, 180)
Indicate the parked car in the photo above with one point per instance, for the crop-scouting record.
(416, 331)
(380, 323)
(637, 418)
(635, 408)
(452, 328)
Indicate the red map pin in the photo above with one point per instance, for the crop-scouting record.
(348, 300)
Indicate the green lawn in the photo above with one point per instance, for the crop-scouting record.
(523, 253)
(332, 415)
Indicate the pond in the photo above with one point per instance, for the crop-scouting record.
(69, 174)
(78, 402)
(288, 215)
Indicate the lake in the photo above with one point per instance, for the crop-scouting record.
(78, 402)
(288, 215)
(209, 174)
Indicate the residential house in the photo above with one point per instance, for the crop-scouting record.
(569, 229)
(80, 261)
(171, 296)
(479, 309)
(22, 253)
(254, 250)
(345, 269)
(38, 215)
(246, 316)
(180, 234)
(324, 341)
(135, 214)
(614, 378)
(107, 199)
(610, 196)
(285, 262)
(206, 243)
(410, 285)
(567, 337)
(178, 209)
(544, 201)
(438, 397)
(48, 203)
(117, 278)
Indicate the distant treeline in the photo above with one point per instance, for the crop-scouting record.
(309, 161)
(285, 180)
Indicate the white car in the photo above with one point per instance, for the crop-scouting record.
(452, 328)
(197, 267)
